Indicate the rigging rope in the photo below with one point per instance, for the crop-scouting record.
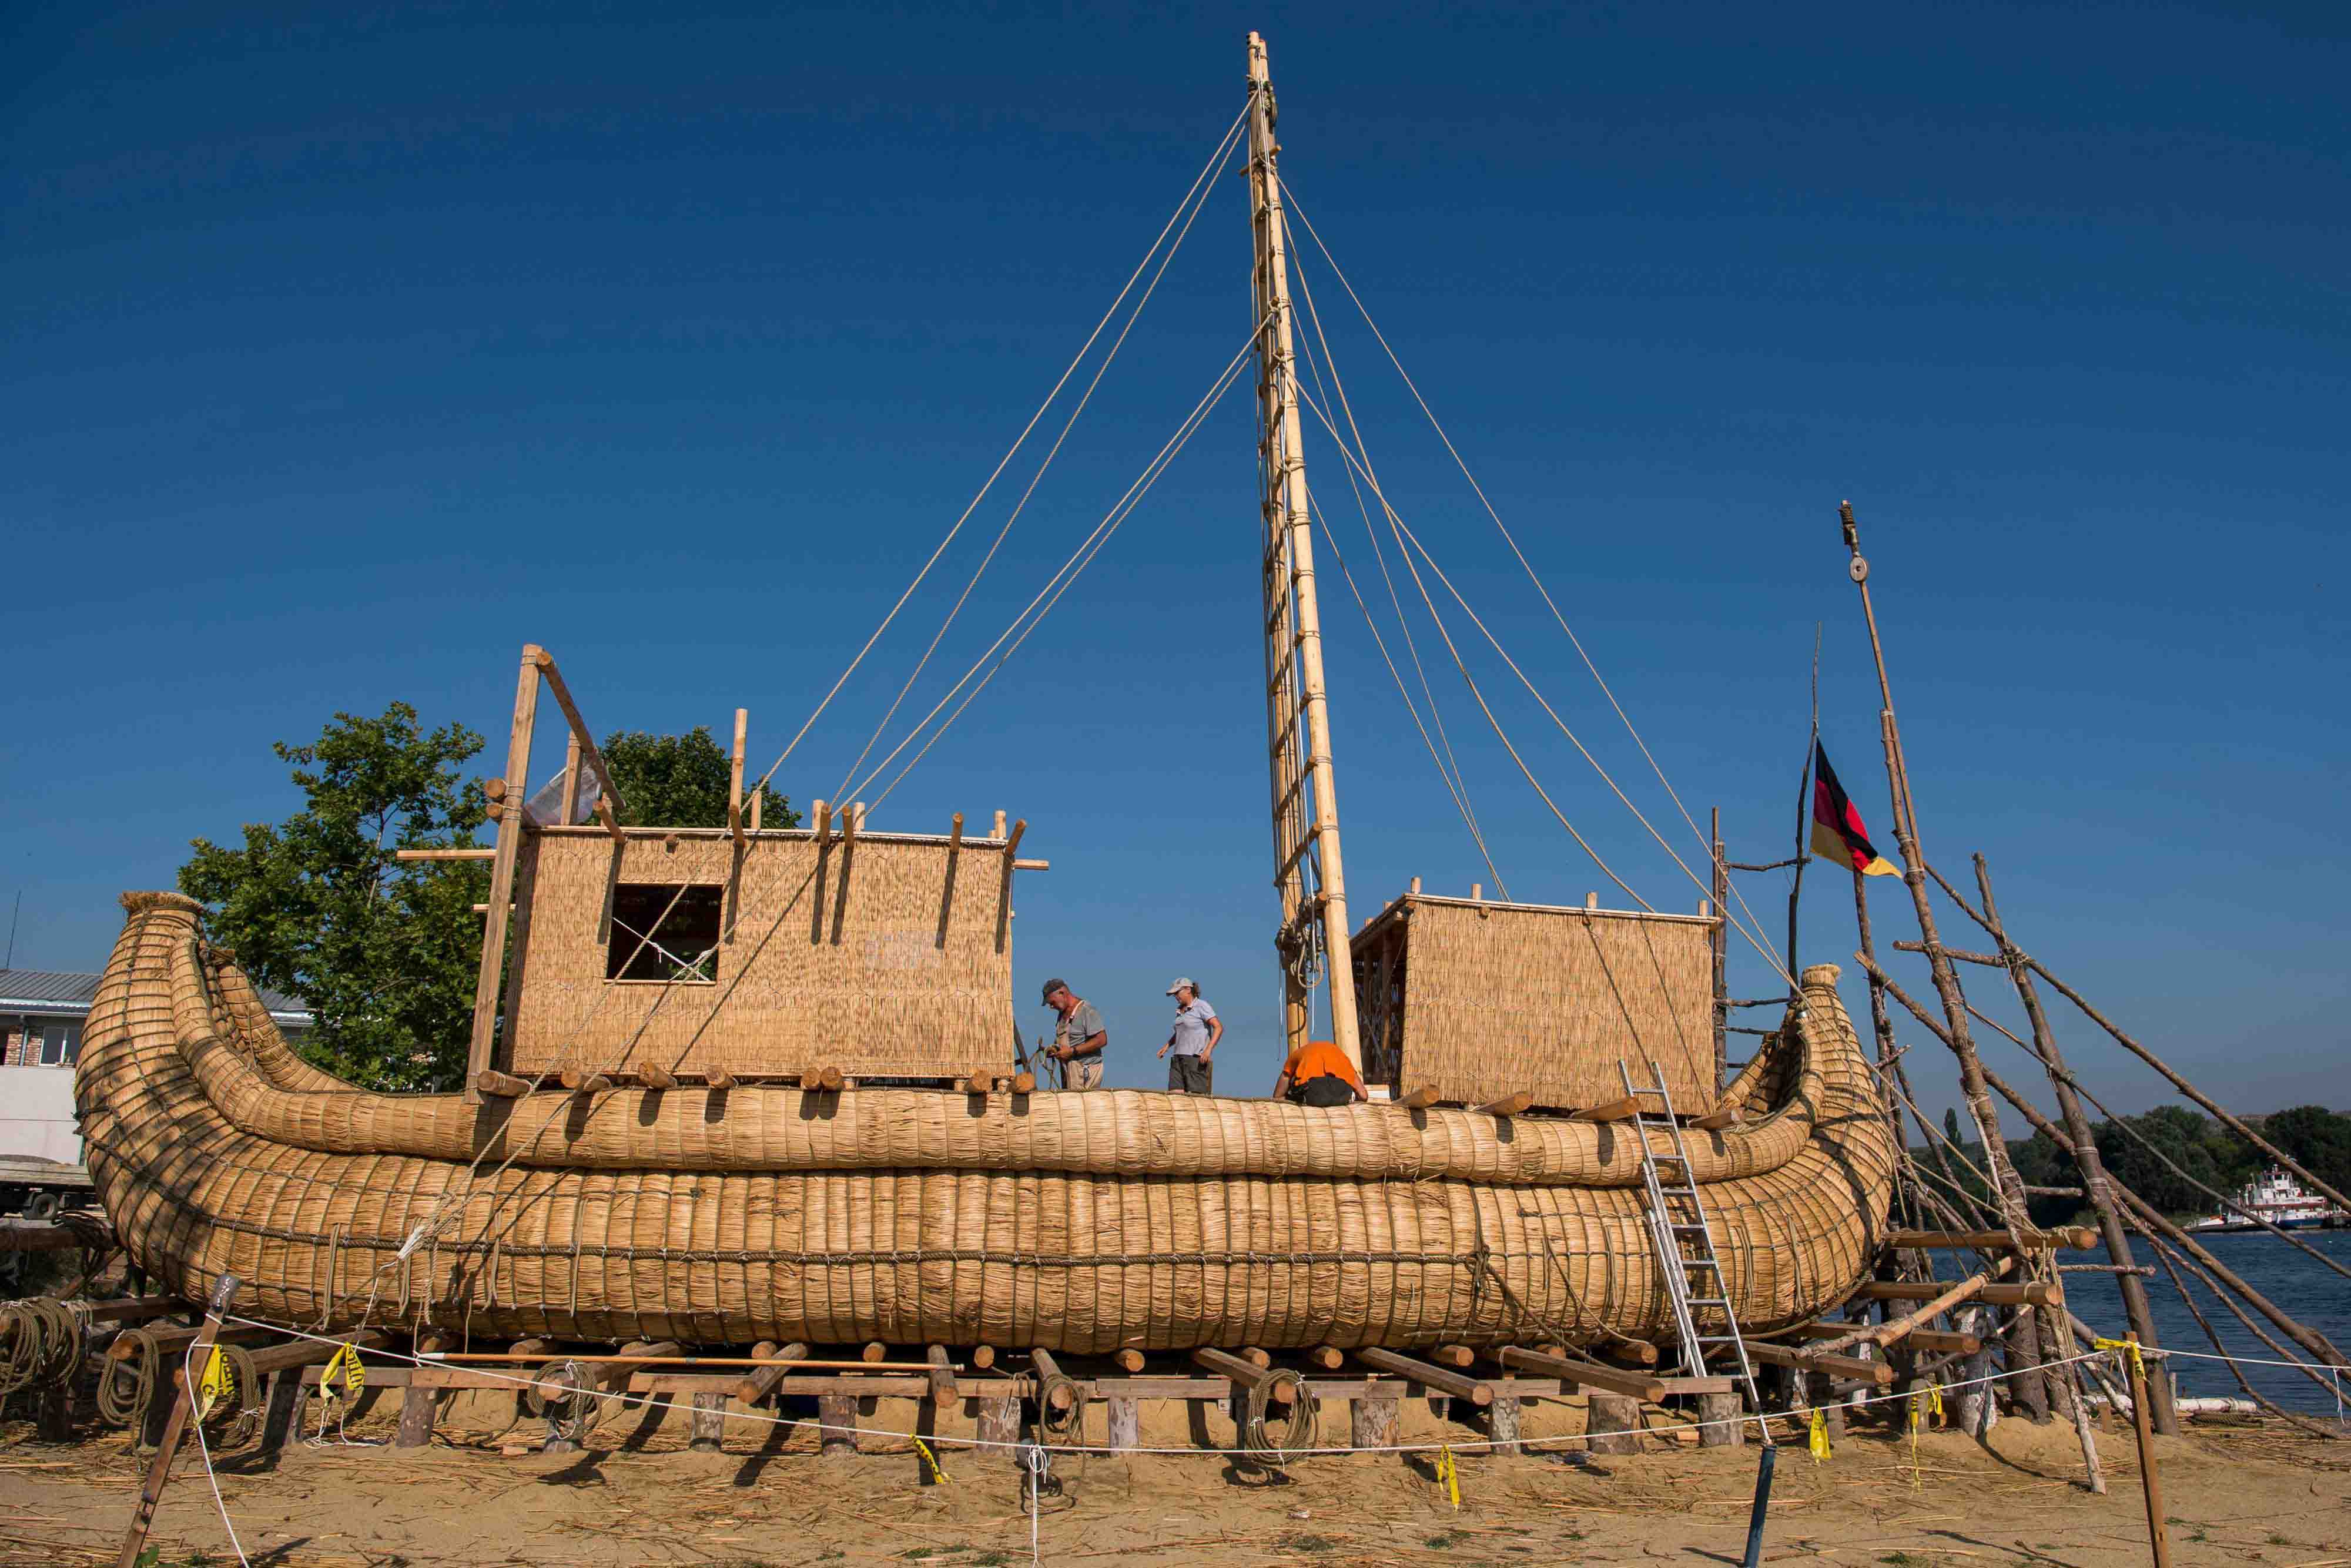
(1203, 186)
(1770, 953)
(1004, 461)
(1058, 583)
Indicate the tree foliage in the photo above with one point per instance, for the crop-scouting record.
(385, 954)
(2319, 1139)
(681, 781)
(2199, 1149)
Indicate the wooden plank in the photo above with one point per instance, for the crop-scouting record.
(1589, 1374)
(735, 779)
(1700, 1385)
(2072, 1236)
(1453, 1383)
(1420, 1099)
(1613, 1111)
(467, 853)
(653, 1076)
(1715, 1121)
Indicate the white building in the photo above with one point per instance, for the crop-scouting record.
(41, 1015)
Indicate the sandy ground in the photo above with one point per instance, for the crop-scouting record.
(635, 1495)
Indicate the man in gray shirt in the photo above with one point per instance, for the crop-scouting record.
(1194, 1039)
(1078, 1037)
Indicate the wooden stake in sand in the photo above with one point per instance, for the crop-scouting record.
(2159, 1542)
(176, 1431)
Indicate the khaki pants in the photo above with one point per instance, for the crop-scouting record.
(1082, 1072)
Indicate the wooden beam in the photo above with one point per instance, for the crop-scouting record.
(720, 1077)
(1325, 1357)
(734, 779)
(996, 831)
(653, 1076)
(1473, 1389)
(466, 852)
(611, 807)
(1012, 840)
(820, 824)
(2035, 1294)
(1460, 1357)
(570, 780)
(1622, 1110)
(1420, 1099)
(1715, 1121)
(1828, 1362)
(1032, 865)
(502, 1085)
(502, 870)
(1047, 1367)
(1508, 1106)
(580, 1081)
(2078, 1236)
(1591, 1374)
(1630, 1353)
(943, 1378)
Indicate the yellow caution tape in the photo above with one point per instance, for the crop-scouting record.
(1449, 1472)
(1817, 1439)
(344, 1377)
(938, 1476)
(216, 1385)
(1935, 1400)
(2137, 1363)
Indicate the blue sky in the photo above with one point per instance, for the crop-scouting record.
(343, 350)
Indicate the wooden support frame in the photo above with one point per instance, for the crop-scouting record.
(486, 989)
(1590, 1373)
(611, 807)
(734, 779)
(1454, 1383)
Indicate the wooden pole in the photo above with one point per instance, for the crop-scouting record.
(611, 807)
(1298, 710)
(2007, 1188)
(1718, 946)
(159, 1470)
(502, 872)
(734, 779)
(570, 780)
(2150, 1485)
(1804, 805)
(2082, 1145)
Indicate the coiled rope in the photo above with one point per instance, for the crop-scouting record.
(561, 1393)
(126, 1384)
(1301, 1428)
(44, 1339)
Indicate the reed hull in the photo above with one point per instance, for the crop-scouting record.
(1077, 1222)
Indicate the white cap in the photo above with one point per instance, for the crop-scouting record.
(1183, 985)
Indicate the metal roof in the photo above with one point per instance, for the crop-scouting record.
(57, 992)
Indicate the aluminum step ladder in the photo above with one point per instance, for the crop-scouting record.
(1685, 1247)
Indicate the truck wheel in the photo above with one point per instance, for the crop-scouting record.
(42, 1207)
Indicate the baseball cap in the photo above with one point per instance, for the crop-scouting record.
(1183, 984)
(1051, 987)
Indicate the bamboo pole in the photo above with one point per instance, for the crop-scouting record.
(570, 780)
(2078, 1138)
(734, 779)
(1288, 525)
(2008, 1189)
(1717, 947)
(1804, 804)
(502, 872)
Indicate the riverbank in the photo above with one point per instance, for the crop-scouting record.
(2235, 1492)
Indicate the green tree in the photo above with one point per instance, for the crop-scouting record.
(2181, 1136)
(385, 954)
(2319, 1139)
(2040, 1161)
(681, 781)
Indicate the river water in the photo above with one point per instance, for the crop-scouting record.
(2301, 1287)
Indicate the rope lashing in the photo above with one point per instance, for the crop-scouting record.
(1301, 1429)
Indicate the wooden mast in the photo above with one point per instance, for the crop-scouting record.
(1307, 867)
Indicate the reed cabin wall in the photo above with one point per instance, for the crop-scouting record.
(1481, 1001)
(883, 955)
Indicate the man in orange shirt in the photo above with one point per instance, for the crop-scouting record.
(1319, 1073)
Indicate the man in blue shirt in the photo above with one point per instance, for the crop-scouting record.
(1194, 1039)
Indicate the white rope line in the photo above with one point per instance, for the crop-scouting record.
(1512, 541)
(1075, 360)
(191, 1379)
(975, 1442)
(1203, 186)
(1469, 817)
(1448, 766)
(1059, 582)
(1407, 538)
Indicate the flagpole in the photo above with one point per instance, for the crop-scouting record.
(2007, 1188)
(1804, 804)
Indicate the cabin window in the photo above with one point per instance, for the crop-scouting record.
(665, 931)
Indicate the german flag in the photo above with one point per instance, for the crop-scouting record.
(1837, 832)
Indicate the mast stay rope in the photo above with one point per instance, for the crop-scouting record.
(1215, 160)
(1511, 539)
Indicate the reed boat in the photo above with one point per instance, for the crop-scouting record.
(680, 1120)
(1077, 1221)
